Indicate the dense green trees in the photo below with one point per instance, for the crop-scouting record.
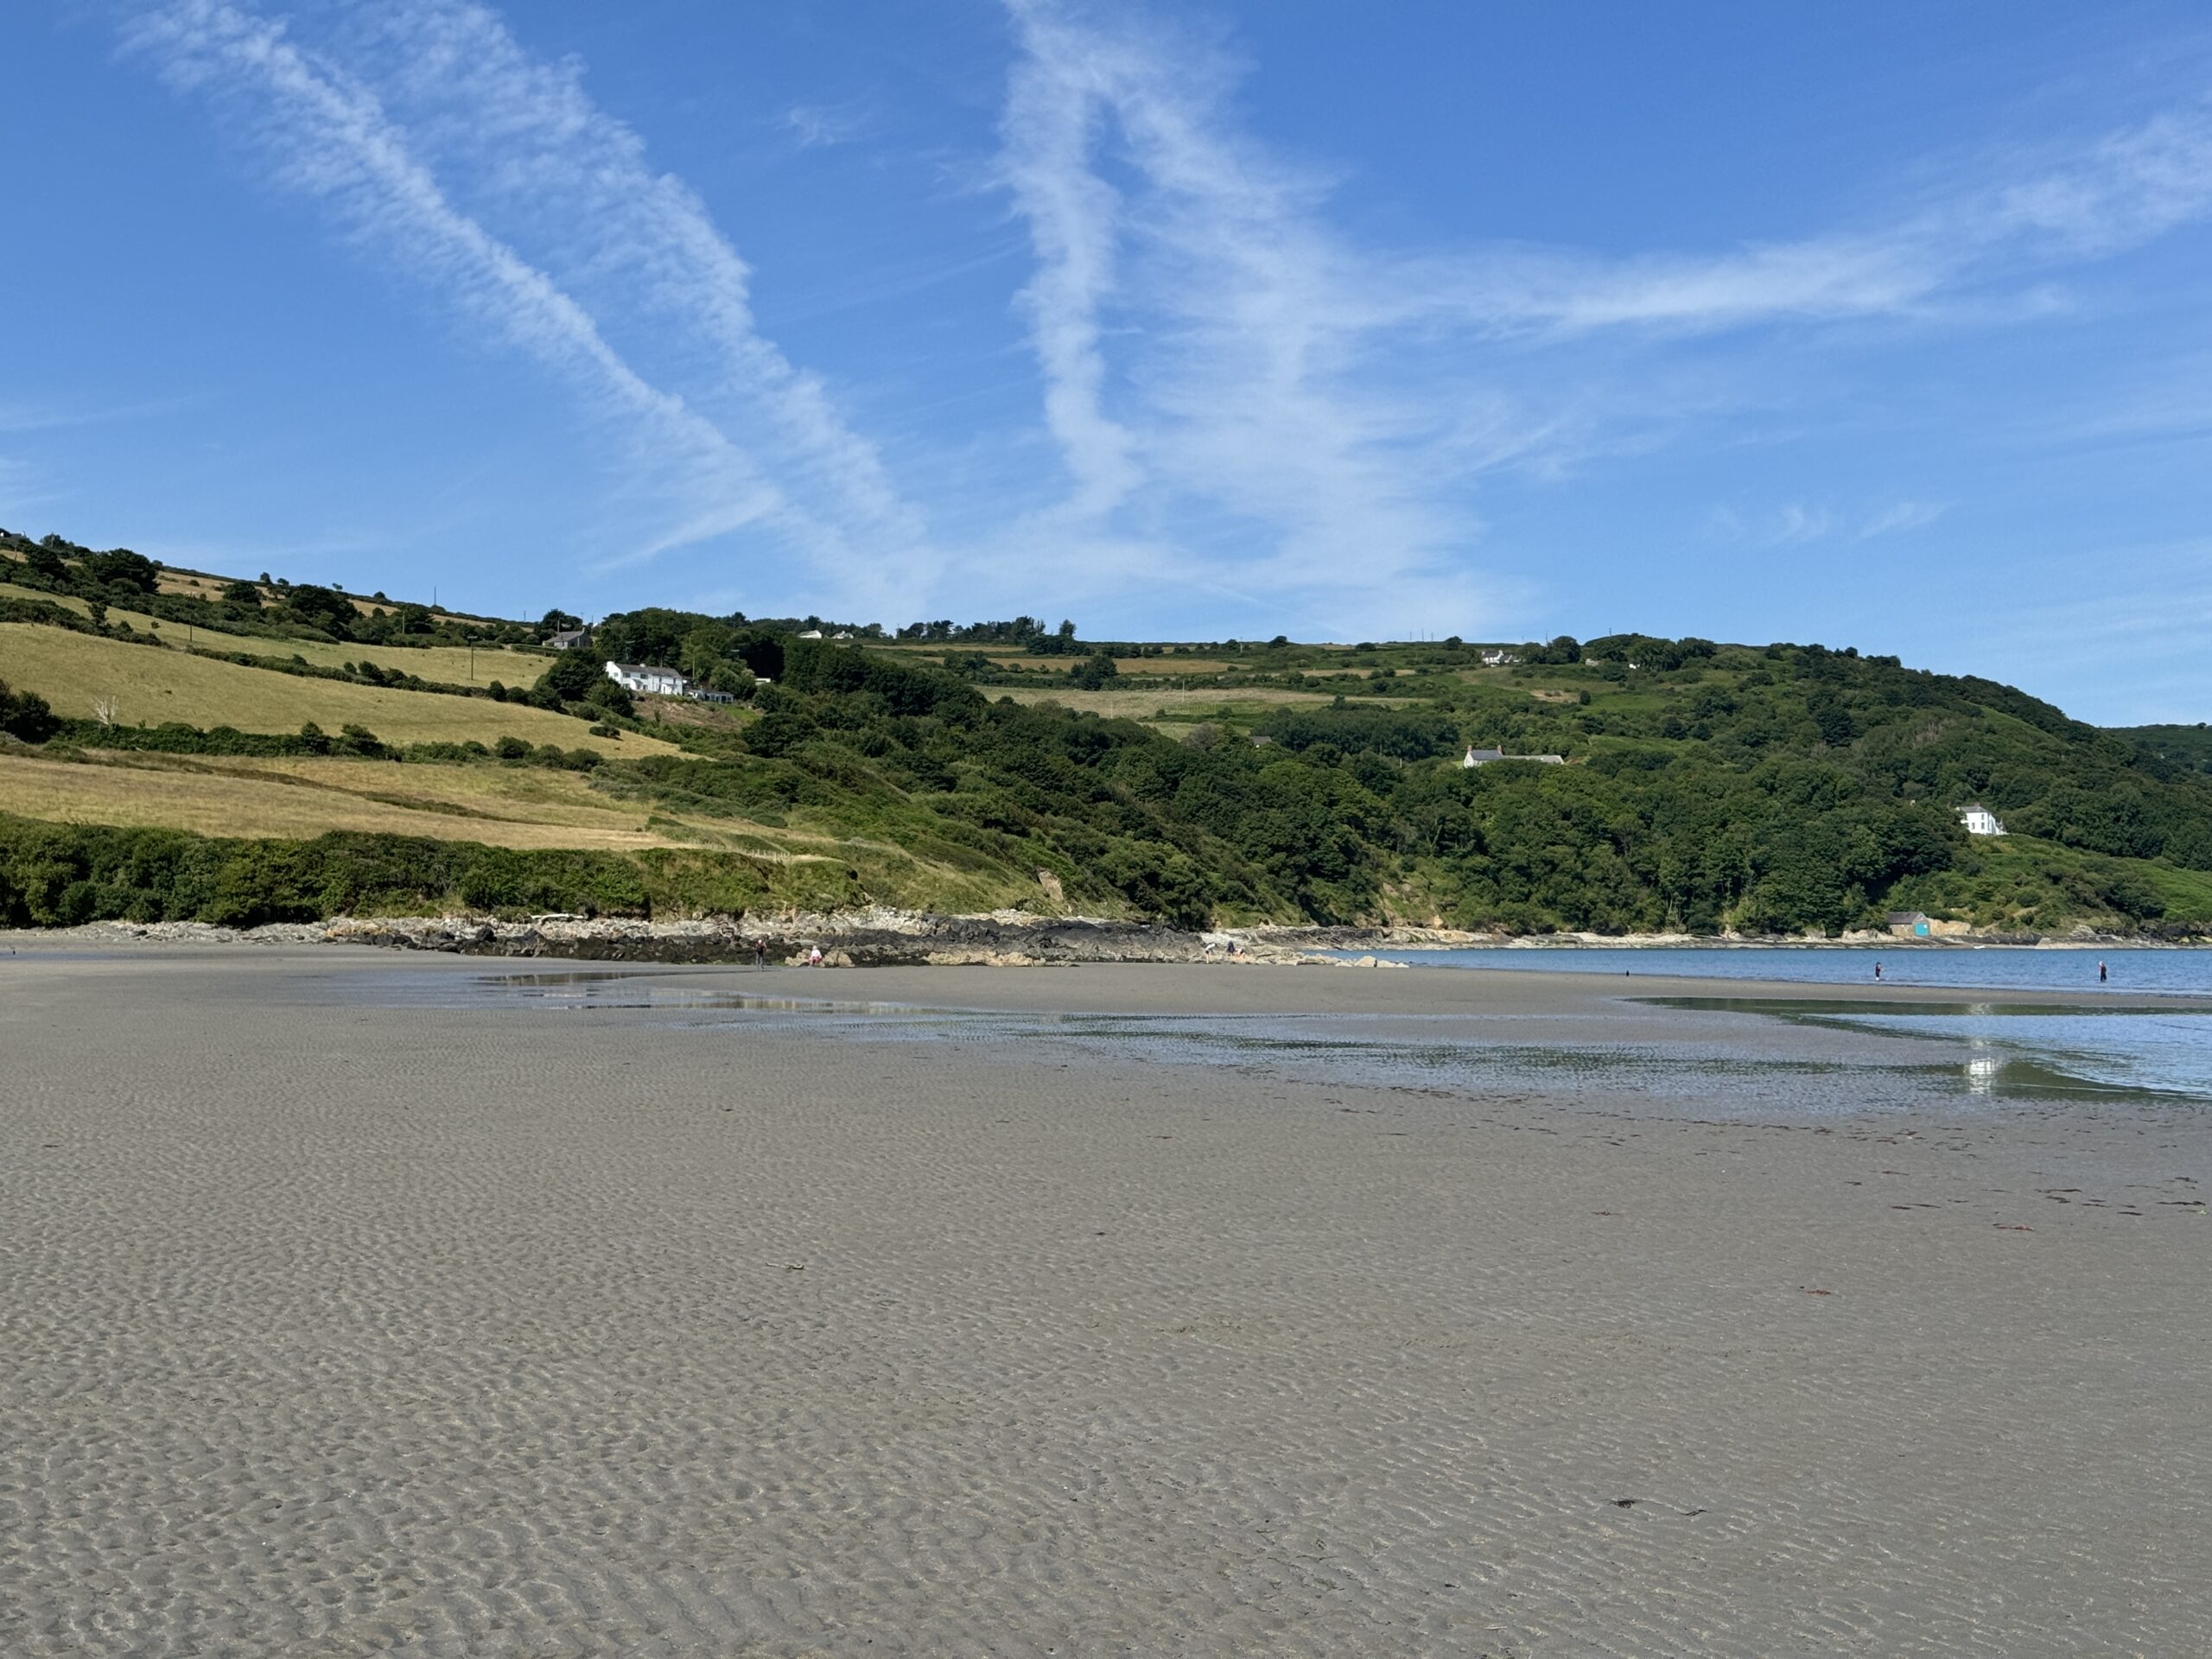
(1776, 790)
(1094, 671)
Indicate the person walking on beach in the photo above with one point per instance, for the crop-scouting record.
(760, 954)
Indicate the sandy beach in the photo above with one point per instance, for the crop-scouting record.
(350, 1304)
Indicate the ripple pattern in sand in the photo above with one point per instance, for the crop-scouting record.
(342, 1332)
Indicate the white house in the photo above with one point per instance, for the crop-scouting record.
(1499, 659)
(656, 681)
(1980, 821)
(810, 633)
(1475, 757)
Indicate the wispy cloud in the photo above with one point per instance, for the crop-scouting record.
(2085, 625)
(23, 488)
(1236, 398)
(815, 125)
(1900, 517)
(1214, 370)
(2023, 216)
(16, 418)
(1795, 523)
(1310, 415)
(367, 126)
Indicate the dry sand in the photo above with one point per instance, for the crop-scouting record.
(337, 1321)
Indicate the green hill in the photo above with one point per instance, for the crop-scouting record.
(2183, 746)
(1771, 789)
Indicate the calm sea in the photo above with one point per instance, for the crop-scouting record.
(1717, 1052)
(1991, 967)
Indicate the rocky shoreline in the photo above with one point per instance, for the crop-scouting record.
(873, 938)
(882, 936)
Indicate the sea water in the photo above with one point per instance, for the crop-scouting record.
(2132, 970)
(1853, 1054)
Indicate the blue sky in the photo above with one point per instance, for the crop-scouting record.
(1883, 326)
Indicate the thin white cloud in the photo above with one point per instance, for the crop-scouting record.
(1207, 348)
(331, 134)
(17, 418)
(1243, 402)
(1239, 392)
(1798, 524)
(23, 488)
(530, 145)
(1900, 517)
(2119, 192)
(812, 126)
(2158, 628)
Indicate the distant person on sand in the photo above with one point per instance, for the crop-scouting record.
(814, 957)
(760, 954)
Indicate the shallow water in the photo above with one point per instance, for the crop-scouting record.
(2133, 970)
(1725, 1055)
(2125, 1050)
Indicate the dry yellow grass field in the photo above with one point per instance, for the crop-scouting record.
(502, 806)
(149, 686)
(453, 665)
(450, 664)
(137, 620)
(190, 583)
(227, 796)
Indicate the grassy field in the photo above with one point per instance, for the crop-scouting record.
(137, 620)
(516, 807)
(1149, 703)
(1011, 656)
(150, 686)
(213, 796)
(449, 664)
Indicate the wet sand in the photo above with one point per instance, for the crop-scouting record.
(339, 1316)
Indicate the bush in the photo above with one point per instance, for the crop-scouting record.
(612, 697)
(26, 715)
(573, 677)
(133, 572)
(60, 875)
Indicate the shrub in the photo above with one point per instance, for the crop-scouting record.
(26, 715)
(572, 677)
(612, 697)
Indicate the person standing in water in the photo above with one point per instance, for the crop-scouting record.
(1878, 973)
(2101, 975)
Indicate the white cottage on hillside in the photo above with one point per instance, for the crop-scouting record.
(1980, 821)
(654, 682)
(1475, 757)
